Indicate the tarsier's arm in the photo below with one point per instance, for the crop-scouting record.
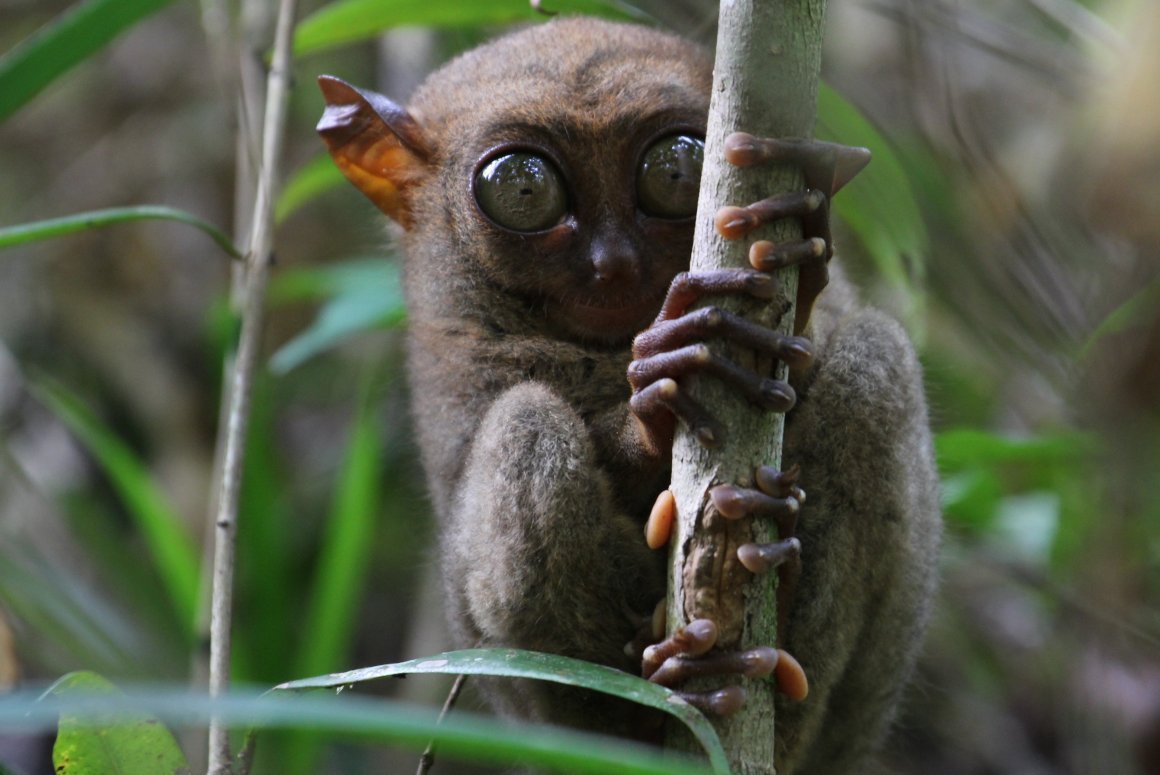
(545, 187)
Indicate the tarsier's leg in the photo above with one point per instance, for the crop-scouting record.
(869, 533)
(537, 556)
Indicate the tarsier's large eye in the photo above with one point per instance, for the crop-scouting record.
(670, 176)
(521, 191)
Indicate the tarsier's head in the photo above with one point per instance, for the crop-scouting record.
(562, 163)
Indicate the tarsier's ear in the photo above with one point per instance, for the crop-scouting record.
(377, 145)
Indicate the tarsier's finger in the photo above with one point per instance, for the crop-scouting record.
(689, 287)
(780, 484)
(754, 663)
(762, 558)
(716, 323)
(692, 640)
(659, 527)
(788, 675)
(768, 256)
(828, 166)
(735, 222)
(666, 395)
(791, 678)
(772, 394)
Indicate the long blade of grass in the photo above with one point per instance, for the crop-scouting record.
(11, 236)
(64, 42)
(515, 663)
(348, 21)
(461, 735)
(333, 603)
(332, 609)
(169, 544)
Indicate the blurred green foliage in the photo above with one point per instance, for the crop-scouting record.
(333, 525)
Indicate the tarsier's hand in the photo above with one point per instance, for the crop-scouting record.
(673, 347)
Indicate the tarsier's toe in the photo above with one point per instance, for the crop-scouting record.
(723, 702)
(787, 673)
(762, 558)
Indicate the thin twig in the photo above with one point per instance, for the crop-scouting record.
(259, 256)
(428, 758)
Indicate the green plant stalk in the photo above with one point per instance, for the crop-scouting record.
(20, 234)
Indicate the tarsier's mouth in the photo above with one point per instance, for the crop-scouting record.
(611, 319)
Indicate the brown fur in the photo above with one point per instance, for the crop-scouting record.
(535, 465)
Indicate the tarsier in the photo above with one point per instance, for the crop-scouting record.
(545, 184)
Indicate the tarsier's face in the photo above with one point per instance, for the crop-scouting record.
(575, 186)
(606, 249)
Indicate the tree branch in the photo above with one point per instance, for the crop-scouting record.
(765, 82)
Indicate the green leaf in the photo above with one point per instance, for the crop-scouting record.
(879, 205)
(66, 41)
(971, 498)
(332, 610)
(460, 735)
(959, 448)
(10, 236)
(348, 21)
(514, 663)
(1134, 312)
(127, 744)
(365, 294)
(313, 178)
(164, 532)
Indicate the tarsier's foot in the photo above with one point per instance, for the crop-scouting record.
(687, 653)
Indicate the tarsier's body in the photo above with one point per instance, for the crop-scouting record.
(520, 339)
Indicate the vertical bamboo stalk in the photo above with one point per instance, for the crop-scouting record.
(765, 83)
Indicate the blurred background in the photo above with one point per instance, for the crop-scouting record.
(1013, 225)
